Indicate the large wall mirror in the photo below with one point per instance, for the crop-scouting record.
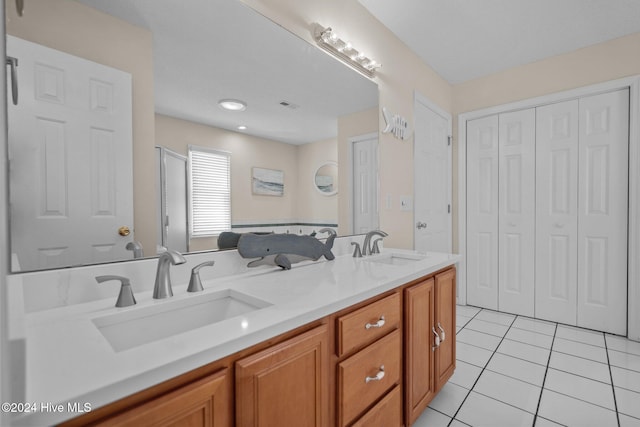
(106, 86)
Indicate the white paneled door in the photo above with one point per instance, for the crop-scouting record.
(365, 184)
(432, 180)
(71, 159)
(602, 211)
(482, 212)
(557, 212)
(547, 209)
(516, 218)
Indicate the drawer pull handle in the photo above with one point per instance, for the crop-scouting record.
(379, 376)
(378, 324)
(437, 339)
(443, 334)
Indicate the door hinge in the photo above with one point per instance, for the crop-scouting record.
(448, 208)
(448, 140)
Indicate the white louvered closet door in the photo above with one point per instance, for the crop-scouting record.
(516, 223)
(482, 212)
(556, 212)
(602, 211)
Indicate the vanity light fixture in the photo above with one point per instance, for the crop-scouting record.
(344, 50)
(232, 104)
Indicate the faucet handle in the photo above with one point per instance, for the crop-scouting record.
(195, 284)
(376, 248)
(357, 253)
(125, 297)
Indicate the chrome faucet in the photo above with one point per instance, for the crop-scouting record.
(162, 288)
(366, 246)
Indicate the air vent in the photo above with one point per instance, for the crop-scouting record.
(287, 104)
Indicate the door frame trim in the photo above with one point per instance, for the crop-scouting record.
(419, 98)
(633, 252)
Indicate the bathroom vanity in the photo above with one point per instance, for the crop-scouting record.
(353, 341)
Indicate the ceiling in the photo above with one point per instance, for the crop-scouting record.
(466, 39)
(208, 50)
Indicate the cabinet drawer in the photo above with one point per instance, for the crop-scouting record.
(367, 324)
(386, 413)
(368, 375)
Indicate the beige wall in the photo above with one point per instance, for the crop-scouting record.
(313, 206)
(101, 38)
(353, 125)
(401, 73)
(246, 152)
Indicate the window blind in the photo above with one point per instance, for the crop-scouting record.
(210, 191)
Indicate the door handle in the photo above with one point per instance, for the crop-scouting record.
(437, 339)
(420, 225)
(20, 7)
(379, 376)
(442, 338)
(13, 63)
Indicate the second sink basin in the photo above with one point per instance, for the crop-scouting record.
(396, 258)
(135, 327)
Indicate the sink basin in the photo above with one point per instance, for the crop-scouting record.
(397, 258)
(136, 327)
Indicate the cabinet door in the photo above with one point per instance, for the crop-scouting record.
(445, 324)
(418, 346)
(285, 384)
(202, 403)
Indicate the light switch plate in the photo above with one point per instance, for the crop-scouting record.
(406, 203)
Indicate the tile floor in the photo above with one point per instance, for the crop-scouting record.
(517, 371)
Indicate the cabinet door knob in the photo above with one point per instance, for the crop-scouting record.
(378, 324)
(379, 376)
(443, 334)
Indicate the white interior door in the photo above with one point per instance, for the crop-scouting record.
(71, 159)
(365, 184)
(172, 212)
(556, 279)
(516, 225)
(432, 180)
(482, 212)
(602, 214)
(177, 231)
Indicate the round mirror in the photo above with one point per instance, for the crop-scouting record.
(326, 178)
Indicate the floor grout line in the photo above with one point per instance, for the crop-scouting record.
(547, 367)
(613, 386)
(482, 371)
(546, 371)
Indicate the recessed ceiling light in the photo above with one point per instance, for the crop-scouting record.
(232, 104)
(242, 127)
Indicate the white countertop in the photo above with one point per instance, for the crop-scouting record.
(69, 360)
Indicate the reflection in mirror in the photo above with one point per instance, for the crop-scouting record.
(326, 179)
(154, 73)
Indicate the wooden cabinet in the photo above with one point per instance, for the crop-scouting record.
(419, 307)
(387, 413)
(365, 325)
(285, 384)
(369, 346)
(380, 367)
(429, 341)
(445, 325)
(201, 403)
